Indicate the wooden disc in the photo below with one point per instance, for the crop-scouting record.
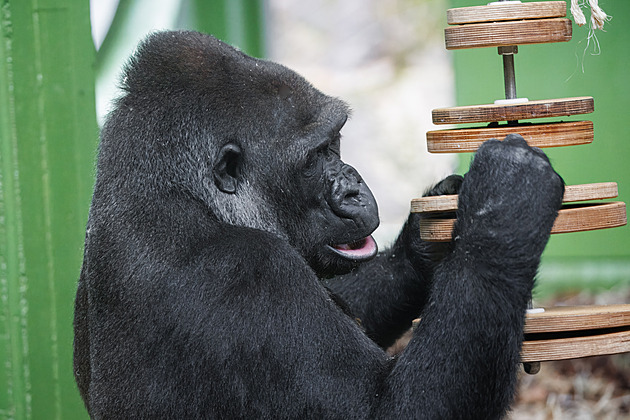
(585, 217)
(510, 112)
(583, 192)
(573, 218)
(575, 347)
(572, 193)
(561, 333)
(499, 34)
(537, 135)
(507, 11)
(576, 318)
(434, 204)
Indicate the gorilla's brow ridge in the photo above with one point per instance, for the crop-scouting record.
(328, 123)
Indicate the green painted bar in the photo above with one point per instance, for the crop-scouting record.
(12, 375)
(209, 17)
(254, 24)
(48, 141)
(238, 22)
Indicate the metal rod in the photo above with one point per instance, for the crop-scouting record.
(509, 76)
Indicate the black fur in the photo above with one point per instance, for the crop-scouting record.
(206, 285)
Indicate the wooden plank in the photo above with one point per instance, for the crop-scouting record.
(575, 347)
(522, 32)
(590, 217)
(576, 318)
(572, 193)
(537, 135)
(433, 204)
(596, 191)
(507, 11)
(510, 112)
(573, 219)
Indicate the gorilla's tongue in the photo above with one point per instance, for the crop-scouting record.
(358, 250)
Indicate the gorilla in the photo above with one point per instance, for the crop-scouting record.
(229, 270)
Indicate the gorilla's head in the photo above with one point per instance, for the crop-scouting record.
(250, 139)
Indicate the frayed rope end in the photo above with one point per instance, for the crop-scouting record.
(598, 16)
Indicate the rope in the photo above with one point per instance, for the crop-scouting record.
(598, 16)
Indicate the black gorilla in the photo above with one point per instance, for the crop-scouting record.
(229, 270)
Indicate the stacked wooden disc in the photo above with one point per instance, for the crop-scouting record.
(555, 333)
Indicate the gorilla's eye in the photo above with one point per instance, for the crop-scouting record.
(335, 145)
(311, 164)
(328, 150)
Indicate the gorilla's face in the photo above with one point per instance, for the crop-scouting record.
(338, 209)
(288, 153)
(320, 204)
(255, 142)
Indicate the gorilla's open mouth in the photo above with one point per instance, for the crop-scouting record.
(360, 250)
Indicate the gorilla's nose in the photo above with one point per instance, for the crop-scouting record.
(350, 197)
(349, 185)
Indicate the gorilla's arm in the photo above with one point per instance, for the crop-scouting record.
(451, 356)
(387, 293)
(467, 344)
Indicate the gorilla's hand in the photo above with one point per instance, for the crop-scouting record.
(449, 185)
(507, 204)
(424, 255)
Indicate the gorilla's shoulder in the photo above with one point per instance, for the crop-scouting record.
(238, 242)
(254, 257)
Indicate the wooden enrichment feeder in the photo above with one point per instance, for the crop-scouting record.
(550, 333)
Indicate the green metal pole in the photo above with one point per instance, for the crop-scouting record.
(48, 137)
(238, 22)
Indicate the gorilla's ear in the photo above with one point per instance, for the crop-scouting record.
(227, 169)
